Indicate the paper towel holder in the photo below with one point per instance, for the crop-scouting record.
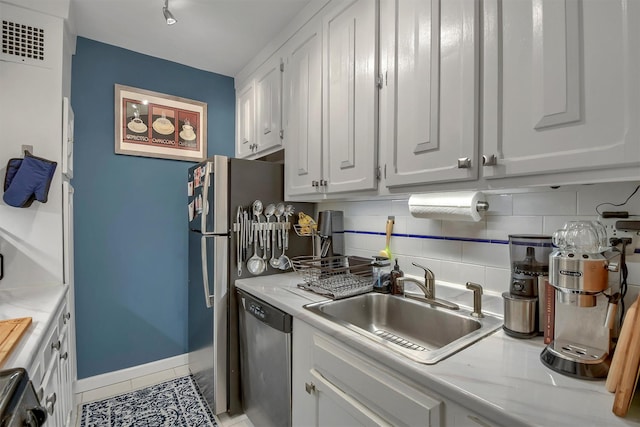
(482, 206)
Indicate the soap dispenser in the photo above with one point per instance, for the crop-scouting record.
(396, 288)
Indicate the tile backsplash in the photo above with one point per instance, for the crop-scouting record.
(458, 251)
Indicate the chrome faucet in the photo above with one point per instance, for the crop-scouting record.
(428, 288)
(477, 299)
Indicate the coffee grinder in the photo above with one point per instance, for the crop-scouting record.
(585, 275)
(529, 255)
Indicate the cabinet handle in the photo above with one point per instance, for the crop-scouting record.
(464, 163)
(66, 317)
(55, 345)
(51, 402)
(490, 160)
(310, 387)
(64, 356)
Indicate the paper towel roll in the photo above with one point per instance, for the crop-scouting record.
(457, 206)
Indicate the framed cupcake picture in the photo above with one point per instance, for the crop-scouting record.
(152, 124)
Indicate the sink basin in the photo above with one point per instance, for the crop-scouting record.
(415, 329)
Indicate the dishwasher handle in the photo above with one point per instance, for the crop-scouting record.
(265, 313)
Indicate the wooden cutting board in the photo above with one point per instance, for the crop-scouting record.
(629, 378)
(622, 350)
(10, 333)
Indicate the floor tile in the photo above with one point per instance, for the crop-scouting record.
(108, 391)
(181, 371)
(152, 379)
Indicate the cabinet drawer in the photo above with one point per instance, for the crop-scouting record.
(395, 401)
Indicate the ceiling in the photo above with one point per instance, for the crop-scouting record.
(220, 36)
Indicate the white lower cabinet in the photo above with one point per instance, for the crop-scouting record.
(334, 385)
(51, 371)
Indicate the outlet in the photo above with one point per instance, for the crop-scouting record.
(627, 229)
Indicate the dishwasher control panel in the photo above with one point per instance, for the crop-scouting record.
(257, 310)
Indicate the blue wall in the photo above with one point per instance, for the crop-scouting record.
(130, 212)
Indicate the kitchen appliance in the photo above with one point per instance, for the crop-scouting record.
(529, 255)
(331, 232)
(19, 405)
(217, 188)
(265, 361)
(585, 274)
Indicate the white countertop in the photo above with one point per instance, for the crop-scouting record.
(38, 302)
(499, 377)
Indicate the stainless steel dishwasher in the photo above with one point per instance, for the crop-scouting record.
(265, 361)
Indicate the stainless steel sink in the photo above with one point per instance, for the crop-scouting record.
(417, 330)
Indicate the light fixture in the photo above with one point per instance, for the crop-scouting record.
(168, 16)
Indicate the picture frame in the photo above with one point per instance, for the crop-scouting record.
(153, 124)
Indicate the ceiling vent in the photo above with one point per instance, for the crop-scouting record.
(23, 43)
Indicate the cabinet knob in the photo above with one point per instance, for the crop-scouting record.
(66, 317)
(310, 387)
(323, 183)
(64, 356)
(490, 160)
(51, 402)
(464, 163)
(55, 345)
(314, 183)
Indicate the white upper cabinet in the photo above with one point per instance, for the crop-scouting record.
(269, 104)
(560, 86)
(303, 110)
(259, 111)
(245, 121)
(350, 97)
(429, 99)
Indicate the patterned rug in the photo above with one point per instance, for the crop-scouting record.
(175, 403)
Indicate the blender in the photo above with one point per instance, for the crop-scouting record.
(529, 255)
(585, 276)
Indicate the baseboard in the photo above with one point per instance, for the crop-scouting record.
(114, 377)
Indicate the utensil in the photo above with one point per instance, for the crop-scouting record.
(288, 211)
(239, 232)
(386, 252)
(256, 264)
(247, 235)
(257, 211)
(268, 213)
(278, 214)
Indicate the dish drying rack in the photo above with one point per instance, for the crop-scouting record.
(335, 277)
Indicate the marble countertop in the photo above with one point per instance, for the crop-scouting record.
(38, 302)
(498, 377)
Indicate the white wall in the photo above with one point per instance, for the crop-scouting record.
(530, 211)
(31, 114)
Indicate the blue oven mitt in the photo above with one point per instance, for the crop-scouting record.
(31, 180)
(12, 169)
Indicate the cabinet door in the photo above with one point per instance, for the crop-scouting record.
(429, 101)
(350, 97)
(560, 86)
(268, 84)
(303, 110)
(245, 121)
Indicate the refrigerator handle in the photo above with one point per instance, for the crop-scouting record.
(208, 298)
(205, 197)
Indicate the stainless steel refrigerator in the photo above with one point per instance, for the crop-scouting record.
(216, 188)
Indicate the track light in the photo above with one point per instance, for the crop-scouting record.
(168, 16)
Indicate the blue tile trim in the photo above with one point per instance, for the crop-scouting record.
(427, 236)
